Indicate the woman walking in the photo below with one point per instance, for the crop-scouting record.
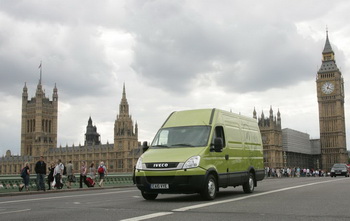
(25, 176)
(92, 171)
(83, 171)
(50, 177)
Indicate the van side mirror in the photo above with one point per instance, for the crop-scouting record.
(218, 144)
(144, 146)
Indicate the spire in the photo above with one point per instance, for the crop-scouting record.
(90, 121)
(40, 67)
(25, 91)
(55, 95)
(124, 94)
(271, 113)
(254, 113)
(327, 46)
(328, 61)
(124, 106)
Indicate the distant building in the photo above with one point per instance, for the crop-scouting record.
(330, 97)
(39, 122)
(299, 150)
(39, 137)
(91, 135)
(271, 134)
(286, 147)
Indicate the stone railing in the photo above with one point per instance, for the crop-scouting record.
(9, 183)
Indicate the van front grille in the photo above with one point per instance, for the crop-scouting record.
(162, 165)
(160, 179)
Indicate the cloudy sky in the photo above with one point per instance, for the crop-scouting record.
(171, 55)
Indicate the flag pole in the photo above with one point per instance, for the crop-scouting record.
(40, 66)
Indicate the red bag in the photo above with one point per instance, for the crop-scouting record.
(100, 170)
(90, 182)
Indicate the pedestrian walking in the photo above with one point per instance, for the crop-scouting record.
(92, 171)
(25, 173)
(102, 171)
(58, 172)
(69, 169)
(83, 171)
(40, 170)
(50, 177)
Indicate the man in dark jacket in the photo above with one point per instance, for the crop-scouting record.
(40, 170)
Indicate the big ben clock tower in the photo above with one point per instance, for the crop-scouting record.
(330, 96)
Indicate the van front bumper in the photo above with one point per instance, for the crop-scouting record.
(169, 183)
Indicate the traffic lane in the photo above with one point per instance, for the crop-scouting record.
(104, 204)
(321, 201)
(125, 203)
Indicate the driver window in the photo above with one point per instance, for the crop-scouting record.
(219, 132)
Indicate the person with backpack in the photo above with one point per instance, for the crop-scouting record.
(25, 177)
(40, 170)
(102, 171)
(58, 172)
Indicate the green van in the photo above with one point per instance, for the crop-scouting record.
(198, 151)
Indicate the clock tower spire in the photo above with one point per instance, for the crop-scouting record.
(330, 97)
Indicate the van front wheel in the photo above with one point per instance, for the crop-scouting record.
(248, 187)
(149, 196)
(209, 190)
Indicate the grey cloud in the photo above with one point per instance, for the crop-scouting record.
(175, 45)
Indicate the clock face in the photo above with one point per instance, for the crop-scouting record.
(327, 88)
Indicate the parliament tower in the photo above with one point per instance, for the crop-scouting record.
(330, 96)
(271, 134)
(39, 122)
(125, 137)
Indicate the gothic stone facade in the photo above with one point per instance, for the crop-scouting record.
(271, 134)
(39, 137)
(330, 96)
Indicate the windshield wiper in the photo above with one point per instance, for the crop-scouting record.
(182, 145)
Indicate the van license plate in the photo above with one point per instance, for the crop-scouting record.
(160, 186)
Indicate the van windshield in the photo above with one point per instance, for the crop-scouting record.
(190, 136)
(339, 166)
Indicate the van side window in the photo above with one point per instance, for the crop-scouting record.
(219, 132)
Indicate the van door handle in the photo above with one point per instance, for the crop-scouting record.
(226, 157)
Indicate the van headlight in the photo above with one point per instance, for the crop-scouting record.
(192, 162)
(139, 164)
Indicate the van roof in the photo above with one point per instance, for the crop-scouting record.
(196, 117)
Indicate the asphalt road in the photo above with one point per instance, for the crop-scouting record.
(311, 198)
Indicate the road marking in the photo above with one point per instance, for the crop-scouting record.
(16, 211)
(149, 216)
(70, 196)
(155, 215)
(249, 196)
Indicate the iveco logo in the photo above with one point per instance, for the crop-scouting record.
(160, 165)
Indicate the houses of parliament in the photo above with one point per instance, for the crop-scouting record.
(39, 138)
(282, 147)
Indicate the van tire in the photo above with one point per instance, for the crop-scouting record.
(149, 196)
(248, 187)
(209, 189)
